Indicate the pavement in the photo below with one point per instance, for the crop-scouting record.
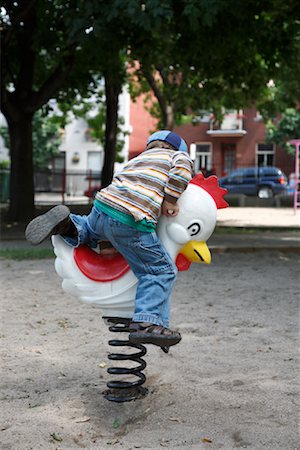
(238, 229)
(277, 218)
(252, 229)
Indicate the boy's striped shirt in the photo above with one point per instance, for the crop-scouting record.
(140, 188)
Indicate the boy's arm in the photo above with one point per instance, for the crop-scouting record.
(169, 209)
(179, 177)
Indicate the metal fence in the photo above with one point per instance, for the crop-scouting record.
(69, 183)
(72, 184)
(4, 185)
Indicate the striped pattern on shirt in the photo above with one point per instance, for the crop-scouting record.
(140, 188)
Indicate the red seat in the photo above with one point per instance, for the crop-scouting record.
(99, 267)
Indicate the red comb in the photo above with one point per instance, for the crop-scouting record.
(211, 186)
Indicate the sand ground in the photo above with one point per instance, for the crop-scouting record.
(231, 383)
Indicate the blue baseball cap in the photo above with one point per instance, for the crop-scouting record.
(172, 138)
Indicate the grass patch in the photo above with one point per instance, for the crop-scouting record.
(19, 254)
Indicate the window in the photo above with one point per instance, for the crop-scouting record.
(232, 120)
(59, 162)
(249, 173)
(269, 172)
(203, 157)
(229, 158)
(94, 161)
(265, 155)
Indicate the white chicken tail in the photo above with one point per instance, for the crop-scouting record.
(115, 298)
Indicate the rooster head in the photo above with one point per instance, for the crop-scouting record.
(185, 235)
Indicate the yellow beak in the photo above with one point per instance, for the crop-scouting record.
(196, 251)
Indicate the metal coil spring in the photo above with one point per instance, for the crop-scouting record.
(119, 390)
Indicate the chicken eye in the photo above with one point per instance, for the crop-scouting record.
(194, 229)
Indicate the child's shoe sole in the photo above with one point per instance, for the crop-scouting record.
(42, 226)
(149, 338)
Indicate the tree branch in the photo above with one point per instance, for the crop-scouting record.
(53, 83)
(27, 7)
(164, 77)
(157, 92)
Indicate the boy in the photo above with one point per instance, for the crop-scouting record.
(126, 213)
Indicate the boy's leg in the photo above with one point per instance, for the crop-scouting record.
(55, 221)
(156, 275)
(74, 228)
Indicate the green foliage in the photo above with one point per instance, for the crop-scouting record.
(193, 54)
(97, 129)
(4, 164)
(46, 138)
(5, 136)
(186, 119)
(202, 62)
(93, 111)
(286, 128)
(280, 106)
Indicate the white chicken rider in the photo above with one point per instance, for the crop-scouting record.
(126, 214)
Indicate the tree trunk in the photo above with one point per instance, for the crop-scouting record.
(21, 207)
(112, 91)
(168, 115)
(167, 109)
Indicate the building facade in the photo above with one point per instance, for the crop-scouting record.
(217, 148)
(239, 141)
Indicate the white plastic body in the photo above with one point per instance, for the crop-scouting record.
(197, 210)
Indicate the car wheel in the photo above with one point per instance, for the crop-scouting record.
(265, 192)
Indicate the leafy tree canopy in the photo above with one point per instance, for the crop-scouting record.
(192, 54)
(284, 129)
(52, 49)
(93, 111)
(46, 138)
(216, 55)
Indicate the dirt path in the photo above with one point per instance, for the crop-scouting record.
(231, 382)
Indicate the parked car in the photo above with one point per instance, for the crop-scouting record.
(265, 182)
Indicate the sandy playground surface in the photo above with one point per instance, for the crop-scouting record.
(231, 383)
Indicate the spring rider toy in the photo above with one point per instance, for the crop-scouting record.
(107, 281)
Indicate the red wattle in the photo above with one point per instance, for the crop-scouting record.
(182, 262)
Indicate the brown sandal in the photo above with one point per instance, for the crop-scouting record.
(149, 333)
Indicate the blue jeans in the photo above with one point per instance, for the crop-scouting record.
(148, 259)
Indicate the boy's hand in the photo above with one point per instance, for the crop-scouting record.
(169, 209)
